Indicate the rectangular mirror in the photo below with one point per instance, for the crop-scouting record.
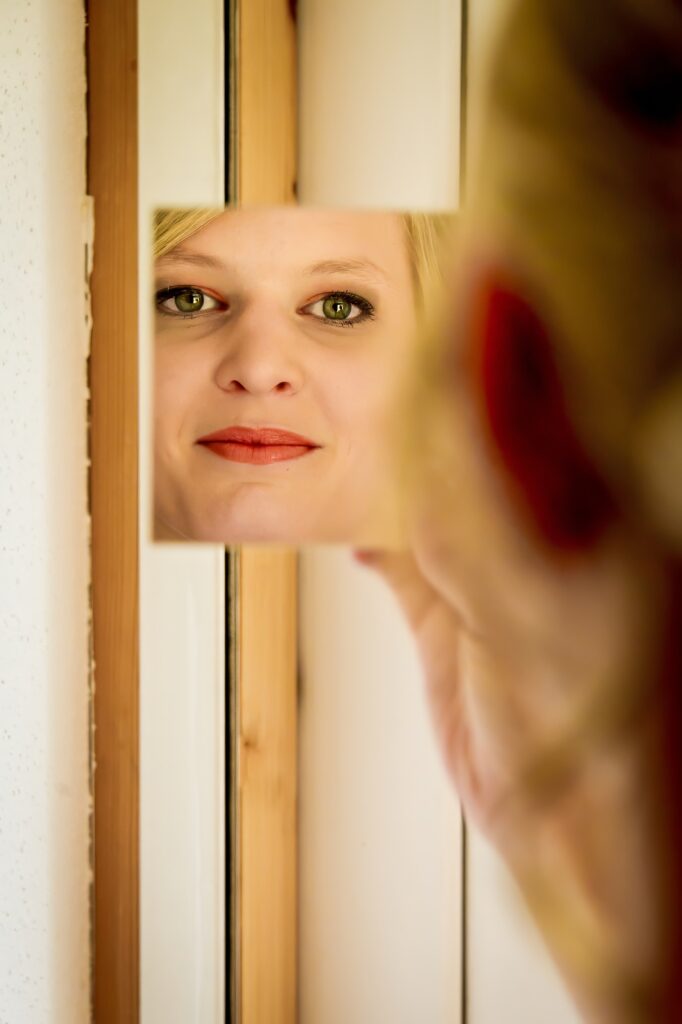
(289, 357)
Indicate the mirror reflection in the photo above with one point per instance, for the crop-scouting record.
(285, 357)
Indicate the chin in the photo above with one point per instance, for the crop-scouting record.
(255, 514)
(253, 518)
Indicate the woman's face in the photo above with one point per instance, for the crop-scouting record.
(283, 341)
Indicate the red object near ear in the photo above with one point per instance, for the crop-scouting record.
(548, 468)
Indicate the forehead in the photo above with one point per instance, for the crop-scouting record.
(295, 240)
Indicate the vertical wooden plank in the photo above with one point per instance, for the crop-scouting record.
(112, 180)
(266, 102)
(266, 818)
(267, 785)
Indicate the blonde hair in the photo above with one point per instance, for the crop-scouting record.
(172, 227)
(580, 177)
(578, 180)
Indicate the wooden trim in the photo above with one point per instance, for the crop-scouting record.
(267, 786)
(112, 180)
(266, 102)
(266, 814)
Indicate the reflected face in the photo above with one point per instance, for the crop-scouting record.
(283, 343)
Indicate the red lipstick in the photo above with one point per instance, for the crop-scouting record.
(257, 445)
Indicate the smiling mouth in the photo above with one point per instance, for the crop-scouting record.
(257, 446)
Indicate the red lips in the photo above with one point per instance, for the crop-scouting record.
(257, 445)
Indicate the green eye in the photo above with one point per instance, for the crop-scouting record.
(340, 309)
(336, 307)
(185, 300)
(189, 300)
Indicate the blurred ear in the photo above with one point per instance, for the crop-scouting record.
(550, 474)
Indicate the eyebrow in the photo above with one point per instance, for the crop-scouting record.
(200, 259)
(365, 267)
(339, 266)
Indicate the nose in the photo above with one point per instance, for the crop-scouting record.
(261, 355)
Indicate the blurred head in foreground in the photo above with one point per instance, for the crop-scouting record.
(554, 513)
(284, 344)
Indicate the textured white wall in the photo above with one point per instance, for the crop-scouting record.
(44, 872)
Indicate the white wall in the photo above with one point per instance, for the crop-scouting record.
(379, 103)
(44, 801)
(379, 837)
(510, 975)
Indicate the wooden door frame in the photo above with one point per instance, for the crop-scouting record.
(112, 181)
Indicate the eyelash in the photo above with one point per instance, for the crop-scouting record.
(363, 304)
(164, 294)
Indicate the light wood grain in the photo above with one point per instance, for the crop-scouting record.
(267, 785)
(266, 102)
(266, 819)
(112, 180)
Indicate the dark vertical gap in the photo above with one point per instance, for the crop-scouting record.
(230, 15)
(231, 669)
(227, 97)
(463, 98)
(229, 746)
(463, 152)
(464, 1014)
(231, 570)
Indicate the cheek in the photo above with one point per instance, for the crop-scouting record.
(180, 382)
(361, 389)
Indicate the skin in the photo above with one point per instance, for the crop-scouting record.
(260, 353)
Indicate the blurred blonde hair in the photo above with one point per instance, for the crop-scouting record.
(580, 178)
(577, 187)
